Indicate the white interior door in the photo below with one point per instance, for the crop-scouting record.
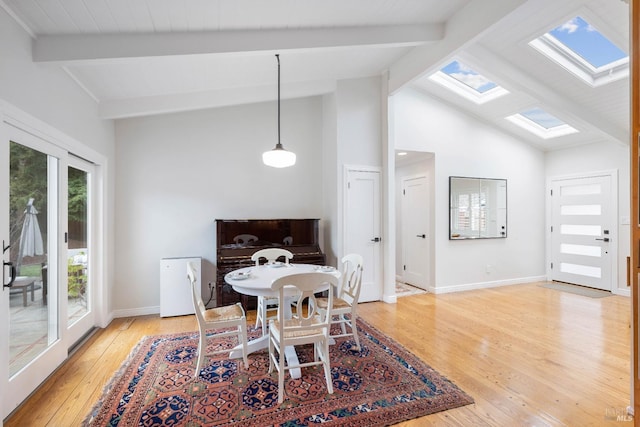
(415, 231)
(582, 233)
(362, 229)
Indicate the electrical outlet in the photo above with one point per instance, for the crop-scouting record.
(489, 269)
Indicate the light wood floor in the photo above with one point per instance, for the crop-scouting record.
(527, 355)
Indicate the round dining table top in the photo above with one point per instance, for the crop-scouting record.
(257, 280)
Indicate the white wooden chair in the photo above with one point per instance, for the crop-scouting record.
(306, 325)
(244, 238)
(346, 303)
(266, 304)
(216, 318)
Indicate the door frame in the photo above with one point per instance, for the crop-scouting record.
(614, 231)
(15, 117)
(84, 325)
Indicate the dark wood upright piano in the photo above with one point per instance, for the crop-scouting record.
(238, 239)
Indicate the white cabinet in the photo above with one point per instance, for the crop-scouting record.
(175, 289)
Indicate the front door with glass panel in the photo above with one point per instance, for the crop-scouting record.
(582, 236)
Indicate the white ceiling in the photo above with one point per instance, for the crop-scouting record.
(142, 57)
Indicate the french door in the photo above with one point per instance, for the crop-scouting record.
(47, 307)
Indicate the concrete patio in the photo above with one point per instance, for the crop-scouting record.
(29, 325)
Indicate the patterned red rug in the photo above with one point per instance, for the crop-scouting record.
(379, 385)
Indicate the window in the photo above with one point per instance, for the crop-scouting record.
(584, 51)
(541, 123)
(467, 83)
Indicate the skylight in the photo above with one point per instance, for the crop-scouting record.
(587, 42)
(541, 123)
(467, 82)
(542, 118)
(581, 49)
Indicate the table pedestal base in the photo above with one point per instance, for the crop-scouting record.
(262, 343)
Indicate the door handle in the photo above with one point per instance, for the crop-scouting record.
(424, 236)
(606, 239)
(13, 274)
(375, 239)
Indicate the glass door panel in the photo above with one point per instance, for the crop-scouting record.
(78, 304)
(78, 245)
(33, 310)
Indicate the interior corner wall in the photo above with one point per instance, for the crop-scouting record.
(601, 156)
(52, 97)
(358, 133)
(47, 92)
(465, 146)
(330, 174)
(178, 173)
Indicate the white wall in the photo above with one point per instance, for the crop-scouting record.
(53, 103)
(602, 156)
(48, 93)
(352, 135)
(358, 136)
(177, 173)
(465, 146)
(330, 173)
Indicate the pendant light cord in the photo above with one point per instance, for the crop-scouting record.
(278, 58)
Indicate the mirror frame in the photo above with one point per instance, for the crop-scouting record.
(497, 214)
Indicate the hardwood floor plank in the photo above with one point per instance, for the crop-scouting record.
(528, 355)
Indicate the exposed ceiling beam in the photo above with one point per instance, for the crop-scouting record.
(514, 78)
(89, 47)
(161, 104)
(463, 28)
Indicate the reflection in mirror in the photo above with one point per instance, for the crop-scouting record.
(477, 208)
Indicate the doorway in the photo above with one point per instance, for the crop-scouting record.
(415, 231)
(44, 187)
(583, 235)
(414, 218)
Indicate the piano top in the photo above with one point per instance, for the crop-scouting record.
(261, 233)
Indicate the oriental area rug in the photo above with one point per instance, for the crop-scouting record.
(380, 385)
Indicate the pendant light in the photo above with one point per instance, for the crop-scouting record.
(279, 157)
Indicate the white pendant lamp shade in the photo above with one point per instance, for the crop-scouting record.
(279, 157)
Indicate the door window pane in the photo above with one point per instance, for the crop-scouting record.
(33, 212)
(78, 252)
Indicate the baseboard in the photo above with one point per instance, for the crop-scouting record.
(390, 299)
(444, 289)
(140, 311)
(622, 292)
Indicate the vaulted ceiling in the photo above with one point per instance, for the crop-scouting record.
(144, 57)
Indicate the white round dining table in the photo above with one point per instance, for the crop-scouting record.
(256, 281)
